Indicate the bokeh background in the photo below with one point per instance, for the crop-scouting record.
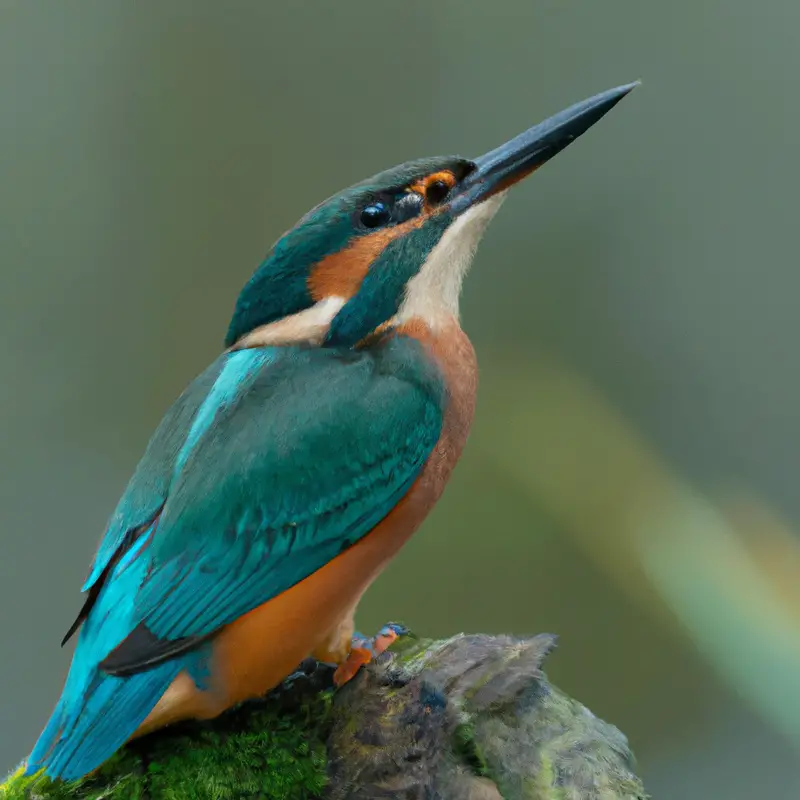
(631, 480)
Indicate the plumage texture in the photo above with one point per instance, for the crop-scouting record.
(269, 465)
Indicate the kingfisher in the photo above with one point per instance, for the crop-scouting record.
(289, 473)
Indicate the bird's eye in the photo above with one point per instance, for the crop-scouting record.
(375, 215)
(436, 191)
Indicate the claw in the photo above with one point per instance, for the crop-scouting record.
(365, 649)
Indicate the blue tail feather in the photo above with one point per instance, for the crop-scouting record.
(76, 741)
(97, 713)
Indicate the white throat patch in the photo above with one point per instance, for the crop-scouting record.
(433, 293)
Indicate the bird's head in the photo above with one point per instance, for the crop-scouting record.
(396, 246)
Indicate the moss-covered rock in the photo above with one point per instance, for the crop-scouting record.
(469, 718)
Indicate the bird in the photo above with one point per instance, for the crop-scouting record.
(291, 471)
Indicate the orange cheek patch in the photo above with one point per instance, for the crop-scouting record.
(341, 274)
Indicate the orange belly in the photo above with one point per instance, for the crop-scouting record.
(257, 651)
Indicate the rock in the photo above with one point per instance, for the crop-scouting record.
(467, 718)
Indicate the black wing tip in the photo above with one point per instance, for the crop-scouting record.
(142, 649)
(72, 630)
(83, 613)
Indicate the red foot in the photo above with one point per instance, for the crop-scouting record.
(365, 650)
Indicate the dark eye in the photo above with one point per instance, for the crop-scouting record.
(375, 215)
(436, 192)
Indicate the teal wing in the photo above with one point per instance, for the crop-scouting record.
(293, 456)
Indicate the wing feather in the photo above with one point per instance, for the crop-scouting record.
(282, 468)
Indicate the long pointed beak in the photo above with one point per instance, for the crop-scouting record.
(505, 165)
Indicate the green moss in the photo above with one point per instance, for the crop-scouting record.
(260, 750)
(466, 749)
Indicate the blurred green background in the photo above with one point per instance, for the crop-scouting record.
(630, 481)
